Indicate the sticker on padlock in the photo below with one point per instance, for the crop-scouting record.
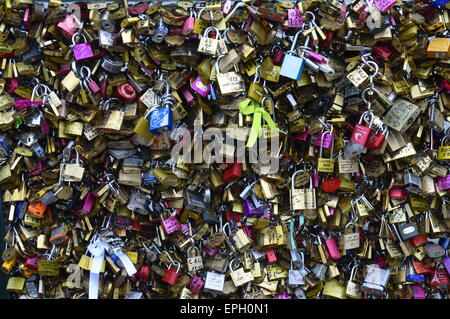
(81, 51)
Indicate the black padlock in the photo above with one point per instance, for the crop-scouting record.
(210, 219)
(408, 231)
(32, 56)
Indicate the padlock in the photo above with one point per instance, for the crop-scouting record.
(443, 149)
(326, 165)
(81, 51)
(295, 277)
(138, 203)
(188, 25)
(413, 183)
(293, 64)
(353, 289)
(256, 91)
(170, 225)
(376, 138)
(349, 240)
(126, 93)
(229, 82)
(198, 86)
(214, 282)
(161, 118)
(239, 276)
(297, 195)
(171, 275)
(361, 133)
(194, 262)
(73, 172)
(375, 280)
(209, 45)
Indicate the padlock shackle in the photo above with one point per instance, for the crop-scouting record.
(293, 177)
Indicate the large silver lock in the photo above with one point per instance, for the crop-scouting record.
(107, 22)
(413, 183)
(214, 282)
(376, 280)
(138, 203)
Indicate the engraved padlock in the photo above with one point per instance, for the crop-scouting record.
(326, 165)
(293, 64)
(161, 31)
(81, 50)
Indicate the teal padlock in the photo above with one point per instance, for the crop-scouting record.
(293, 64)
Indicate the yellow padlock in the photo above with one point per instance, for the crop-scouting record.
(444, 150)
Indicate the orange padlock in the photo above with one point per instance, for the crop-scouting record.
(37, 209)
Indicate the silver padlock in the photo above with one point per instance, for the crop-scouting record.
(107, 22)
(413, 183)
(138, 203)
(376, 280)
(161, 32)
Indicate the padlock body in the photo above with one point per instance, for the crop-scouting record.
(360, 134)
(292, 66)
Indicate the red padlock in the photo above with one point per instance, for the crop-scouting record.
(330, 185)
(361, 133)
(376, 139)
(439, 279)
(419, 240)
(143, 273)
(126, 93)
(32, 262)
(233, 172)
(171, 276)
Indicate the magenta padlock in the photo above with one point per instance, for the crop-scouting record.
(315, 179)
(44, 126)
(200, 88)
(294, 18)
(357, 176)
(171, 225)
(187, 95)
(82, 50)
(316, 57)
(361, 133)
(444, 183)
(21, 104)
(188, 24)
(195, 284)
(303, 136)
(327, 139)
(171, 275)
(247, 24)
(439, 279)
(278, 57)
(284, 295)
(384, 5)
(88, 203)
(210, 251)
(418, 292)
(333, 248)
(184, 228)
(68, 26)
(11, 85)
(381, 261)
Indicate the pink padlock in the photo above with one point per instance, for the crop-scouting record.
(188, 24)
(271, 257)
(210, 250)
(171, 225)
(88, 203)
(444, 183)
(327, 139)
(82, 50)
(200, 88)
(294, 18)
(316, 57)
(333, 248)
(195, 284)
(187, 95)
(278, 56)
(302, 136)
(384, 5)
(315, 179)
(418, 292)
(69, 26)
(11, 85)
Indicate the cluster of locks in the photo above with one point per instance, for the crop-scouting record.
(94, 97)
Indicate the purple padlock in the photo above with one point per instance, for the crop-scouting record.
(196, 284)
(315, 179)
(444, 183)
(200, 88)
(303, 136)
(328, 138)
(284, 295)
(294, 18)
(210, 251)
(251, 210)
(82, 50)
(446, 263)
(316, 57)
(384, 5)
(418, 292)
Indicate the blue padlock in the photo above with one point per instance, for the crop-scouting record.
(444, 242)
(161, 120)
(293, 64)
